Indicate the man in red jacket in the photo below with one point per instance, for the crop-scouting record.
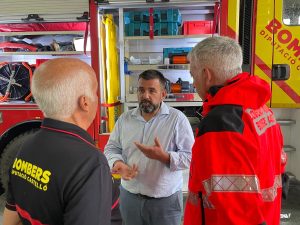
(237, 158)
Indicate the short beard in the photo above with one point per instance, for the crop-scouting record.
(148, 107)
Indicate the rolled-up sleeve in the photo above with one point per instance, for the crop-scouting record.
(184, 139)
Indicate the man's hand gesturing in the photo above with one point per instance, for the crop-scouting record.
(154, 152)
(126, 172)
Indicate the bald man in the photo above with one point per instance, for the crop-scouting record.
(59, 177)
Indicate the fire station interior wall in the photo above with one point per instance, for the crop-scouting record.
(291, 137)
(51, 11)
(295, 156)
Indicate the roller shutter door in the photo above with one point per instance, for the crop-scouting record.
(16, 11)
(137, 3)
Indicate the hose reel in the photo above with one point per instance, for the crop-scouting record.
(14, 81)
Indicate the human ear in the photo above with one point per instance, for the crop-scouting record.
(83, 103)
(208, 77)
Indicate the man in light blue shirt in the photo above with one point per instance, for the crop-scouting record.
(149, 147)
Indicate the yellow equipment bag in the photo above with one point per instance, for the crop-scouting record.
(113, 74)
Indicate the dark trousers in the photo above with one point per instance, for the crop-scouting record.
(142, 210)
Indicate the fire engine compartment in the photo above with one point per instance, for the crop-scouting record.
(137, 51)
(32, 43)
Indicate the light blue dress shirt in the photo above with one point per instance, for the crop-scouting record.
(155, 179)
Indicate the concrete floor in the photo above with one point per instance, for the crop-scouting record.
(290, 207)
(2, 201)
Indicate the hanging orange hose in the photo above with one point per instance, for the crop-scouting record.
(4, 97)
(27, 98)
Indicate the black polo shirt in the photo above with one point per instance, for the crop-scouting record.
(59, 177)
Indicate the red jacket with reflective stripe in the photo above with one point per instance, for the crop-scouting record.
(235, 174)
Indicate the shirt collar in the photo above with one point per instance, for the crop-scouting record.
(67, 127)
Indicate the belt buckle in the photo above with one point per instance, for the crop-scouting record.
(145, 196)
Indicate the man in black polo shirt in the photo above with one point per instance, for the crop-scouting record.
(59, 177)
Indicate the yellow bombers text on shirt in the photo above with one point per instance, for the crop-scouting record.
(33, 174)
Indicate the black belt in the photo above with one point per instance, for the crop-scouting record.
(146, 197)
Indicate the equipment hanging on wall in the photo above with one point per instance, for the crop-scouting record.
(14, 80)
(113, 73)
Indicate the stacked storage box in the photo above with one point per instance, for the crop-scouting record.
(166, 22)
(197, 27)
(176, 55)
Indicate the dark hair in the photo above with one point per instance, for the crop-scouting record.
(154, 74)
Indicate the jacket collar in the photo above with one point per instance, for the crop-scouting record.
(68, 128)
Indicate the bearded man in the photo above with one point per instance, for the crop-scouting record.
(149, 147)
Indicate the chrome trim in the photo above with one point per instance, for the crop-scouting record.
(289, 148)
(112, 4)
(286, 122)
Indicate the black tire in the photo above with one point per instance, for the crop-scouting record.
(9, 154)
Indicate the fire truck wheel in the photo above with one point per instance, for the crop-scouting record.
(9, 154)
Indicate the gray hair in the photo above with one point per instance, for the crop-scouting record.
(57, 96)
(222, 55)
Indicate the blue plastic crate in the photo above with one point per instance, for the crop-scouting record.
(132, 17)
(126, 18)
(126, 30)
(167, 28)
(160, 29)
(167, 16)
(145, 29)
(138, 17)
(145, 16)
(133, 29)
(171, 16)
